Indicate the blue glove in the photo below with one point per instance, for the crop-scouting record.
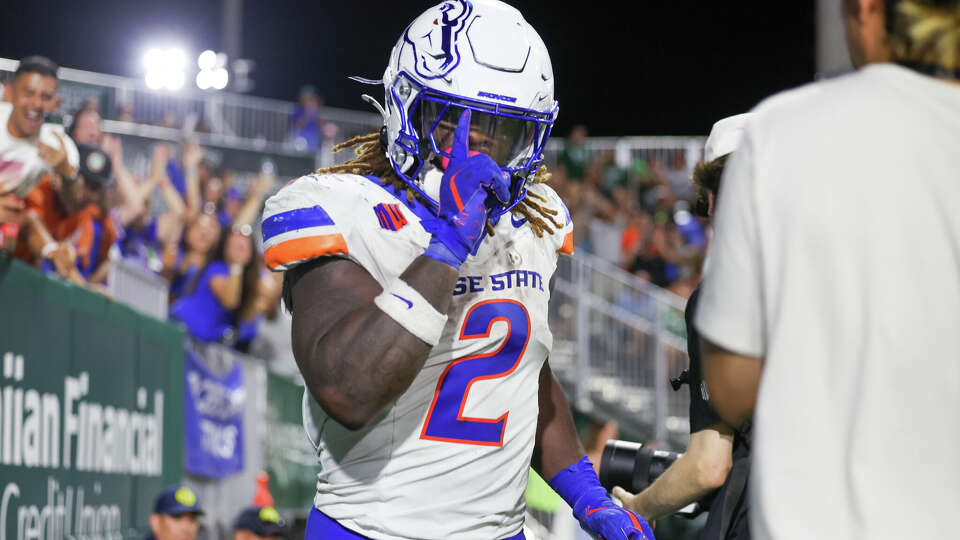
(597, 513)
(471, 187)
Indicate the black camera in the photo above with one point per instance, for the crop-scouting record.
(633, 467)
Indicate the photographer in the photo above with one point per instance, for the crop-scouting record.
(714, 445)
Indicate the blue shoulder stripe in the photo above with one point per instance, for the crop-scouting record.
(301, 218)
(566, 212)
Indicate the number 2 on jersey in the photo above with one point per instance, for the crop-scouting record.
(445, 420)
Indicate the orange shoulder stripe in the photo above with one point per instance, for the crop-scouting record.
(567, 247)
(300, 249)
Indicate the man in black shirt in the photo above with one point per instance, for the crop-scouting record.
(715, 466)
(728, 505)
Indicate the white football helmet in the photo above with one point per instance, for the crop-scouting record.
(469, 54)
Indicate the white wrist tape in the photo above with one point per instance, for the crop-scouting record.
(411, 311)
(48, 248)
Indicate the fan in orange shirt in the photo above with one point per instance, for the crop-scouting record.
(66, 229)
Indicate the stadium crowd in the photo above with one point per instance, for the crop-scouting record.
(188, 220)
(71, 205)
(639, 217)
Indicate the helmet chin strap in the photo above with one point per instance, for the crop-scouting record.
(430, 179)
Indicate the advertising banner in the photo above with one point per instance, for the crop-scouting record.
(91, 398)
(224, 497)
(213, 417)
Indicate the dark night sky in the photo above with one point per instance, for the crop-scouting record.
(622, 68)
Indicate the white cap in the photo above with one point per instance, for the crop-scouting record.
(725, 136)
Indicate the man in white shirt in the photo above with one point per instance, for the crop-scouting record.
(831, 299)
(30, 148)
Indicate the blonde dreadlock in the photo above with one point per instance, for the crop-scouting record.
(927, 33)
(370, 159)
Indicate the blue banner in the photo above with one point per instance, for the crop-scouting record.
(213, 418)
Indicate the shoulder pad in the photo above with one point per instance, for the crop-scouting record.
(343, 215)
(299, 223)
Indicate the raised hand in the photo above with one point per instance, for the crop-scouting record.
(474, 169)
(56, 158)
(192, 155)
(472, 185)
(237, 250)
(158, 161)
(261, 185)
(113, 146)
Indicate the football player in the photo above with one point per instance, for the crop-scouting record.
(418, 275)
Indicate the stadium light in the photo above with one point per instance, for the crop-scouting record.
(220, 78)
(203, 79)
(213, 71)
(164, 68)
(207, 60)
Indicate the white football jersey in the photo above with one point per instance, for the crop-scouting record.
(449, 458)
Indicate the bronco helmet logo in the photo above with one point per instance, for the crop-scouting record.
(434, 41)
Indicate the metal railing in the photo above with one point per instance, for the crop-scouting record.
(138, 288)
(617, 341)
(627, 150)
(261, 121)
(257, 124)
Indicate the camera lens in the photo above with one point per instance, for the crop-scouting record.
(617, 464)
(632, 467)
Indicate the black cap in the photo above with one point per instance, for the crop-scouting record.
(261, 521)
(177, 500)
(95, 165)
